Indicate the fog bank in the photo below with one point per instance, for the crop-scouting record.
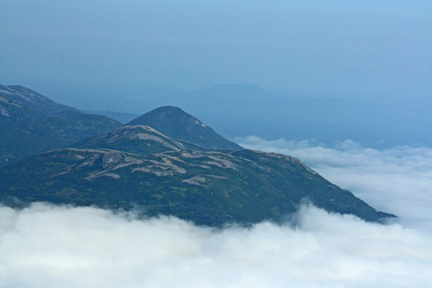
(52, 246)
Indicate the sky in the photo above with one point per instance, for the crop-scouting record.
(94, 55)
(60, 246)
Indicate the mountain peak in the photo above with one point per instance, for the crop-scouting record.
(35, 101)
(176, 123)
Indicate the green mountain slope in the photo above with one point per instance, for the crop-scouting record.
(177, 124)
(22, 135)
(35, 101)
(139, 139)
(25, 132)
(210, 188)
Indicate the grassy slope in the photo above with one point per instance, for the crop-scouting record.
(209, 188)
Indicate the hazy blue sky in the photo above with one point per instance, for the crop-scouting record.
(92, 54)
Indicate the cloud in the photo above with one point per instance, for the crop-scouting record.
(396, 180)
(60, 246)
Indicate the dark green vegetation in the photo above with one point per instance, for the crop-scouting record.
(177, 124)
(26, 132)
(210, 188)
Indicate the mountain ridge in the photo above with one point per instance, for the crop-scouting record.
(136, 139)
(139, 165)
(35, 101)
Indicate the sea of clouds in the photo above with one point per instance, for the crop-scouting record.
(59, 246)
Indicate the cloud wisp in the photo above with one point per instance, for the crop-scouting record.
(396, 180)
(60, 246)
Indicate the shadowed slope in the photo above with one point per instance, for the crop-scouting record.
(35, 101)
(24, 132)
(177, 124)
(211, 188)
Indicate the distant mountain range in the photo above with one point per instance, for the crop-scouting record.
(238, 110)
(185, 169)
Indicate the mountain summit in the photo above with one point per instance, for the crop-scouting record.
(35, 101)
(175, 123)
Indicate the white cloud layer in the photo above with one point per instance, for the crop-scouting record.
(49, 246)
(58, 246)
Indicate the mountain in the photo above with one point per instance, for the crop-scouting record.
(19, 136)
(239, 110)
(207, 187)
(35, 101)
(136, 165)
(242, 110)
(138, 139)
(177, 124)
(25, 132)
